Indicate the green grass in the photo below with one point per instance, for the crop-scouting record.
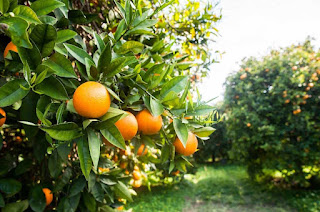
(224, 188)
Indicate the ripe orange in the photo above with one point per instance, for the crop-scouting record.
(10, 47)
(142, 151)
(287, 101)
(49, 196)
(148, 124)
(248, 124)
(18, 139)
(243, 76)
(91, 100)
(191, 146)
(123, 165)
(128, 126)
(3, 119)
(137, 183)
(136, 175)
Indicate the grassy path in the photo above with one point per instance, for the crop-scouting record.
(224, 188)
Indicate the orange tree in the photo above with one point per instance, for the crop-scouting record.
(273, 110)
(90, 107)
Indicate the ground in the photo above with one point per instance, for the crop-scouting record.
(227, 189)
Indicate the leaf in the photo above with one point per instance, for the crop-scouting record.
(26, 13)
(105, 58)
(17, 28)
(11, 92)
(52, 88)
(60, 65)
(89, 201)
(65, 35)
(99, 42)
(10, 186)
(44, 35)
(204, 131)
(55, 164)
(64, 150)
(113, 112)
(77, 186)
(16, 206)
(84, 157)
(60, 112)
(4, 6)
(43, 7)
(181, 130)
(23, 167)
(27, 73)
(176, 85)
(37, 199)
(30, 56)
(120, 29)
(201, 110)
(77, 53)
(63, 132)
(134, 46)
(63, 180)
(156, 107)
(115, 67)
(46, 19)
(97, 192)
(94, 147)
(112, 134)
(122, 191)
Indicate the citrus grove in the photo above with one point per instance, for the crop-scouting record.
(98, 99)
(272, 115)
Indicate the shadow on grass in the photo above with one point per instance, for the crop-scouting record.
(224, 188)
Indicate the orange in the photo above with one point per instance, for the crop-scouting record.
(128, 126)
(147, 123)
(49, 196)
(142, 151)
(243, 76)
(248, 124)
(3, 119)
(120, 208)
(91, 100)
(10, 47)
(18, 139)
(123, 165)
(136, 175)
(137, 183)
(191, 146)
(136, 168)
(287, 101)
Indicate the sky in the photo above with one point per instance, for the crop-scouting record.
(253, 28)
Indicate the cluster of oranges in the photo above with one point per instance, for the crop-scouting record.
(92, 100)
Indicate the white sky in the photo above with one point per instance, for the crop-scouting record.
(252, 28)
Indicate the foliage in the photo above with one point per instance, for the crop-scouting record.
(224, 188)
(62, 44)
(272, 109)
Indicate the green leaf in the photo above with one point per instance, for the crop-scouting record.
(115, 67)
(156, 107)
(112, 134)
(61, 66)
(26, 13)
(91, 69)
(4, 6)
(23, 167)
(78, 53)
(27, 73)
(37, 199)
(69, 204)
(181, 130)
(176, 85)
(84, 157)
(63, 132)
(134, 46)
(156, 80)
(43, 7)
(41, 77)
(11, 92)
(60, 112)
(204, 131)
(55, 164)
(52, 88)
(46, 19)
(10, 186)
(63, 180)
(64, 150)
(30, 56)
(122, 191)
(94, 146)
(99, 42)
(77, 186)
(2, 203)
(201, 110)
(98, 192)
(44, 35)
(89, 201)
(120, 29)
(128, 11)
(16, 206)
(65, 35)
(113, 112)
(105, 58)
(17, 28)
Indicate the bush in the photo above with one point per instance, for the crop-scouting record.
(65, 133)
(272, 107)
